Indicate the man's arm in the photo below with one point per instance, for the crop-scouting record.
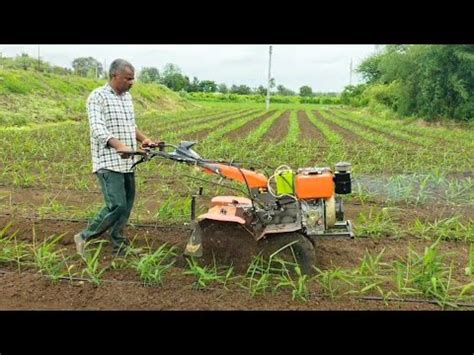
(97, 121)
(99, 128)
(119, 145)
(144, 140)
(140, 136)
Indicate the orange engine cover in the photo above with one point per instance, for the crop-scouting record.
(314, 185)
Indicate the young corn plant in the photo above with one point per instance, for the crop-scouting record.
(261, 271)
(427, 275)
(12, 251)
(52, 207)
(470, 267)
(466, 292)
(258, 276)
(151, 268)
(174, 209)
(362, 194)
(459, 191)
(207, 275)
(376, 224)
(446, 228)
(333, 280)
(369, 275)
(93, 270)
(50, 261)
(297, 284)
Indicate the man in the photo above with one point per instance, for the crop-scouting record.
(114, 137)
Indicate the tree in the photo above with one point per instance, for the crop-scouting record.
(175, 82)
(194, 86)
(429, 81)
(369, 68)
(306, 91)
(208, 86)
(149, 75)
(173, 78)
(241, 89)
(87, 66)
(281, 90)
(222, 88)
(261, 90)
(25, 61)
(171, 69)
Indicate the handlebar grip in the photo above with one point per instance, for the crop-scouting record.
(136, 152)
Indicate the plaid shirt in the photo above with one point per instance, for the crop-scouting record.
(110, 116)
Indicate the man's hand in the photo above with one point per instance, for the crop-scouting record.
(125, 151)
(147, 142)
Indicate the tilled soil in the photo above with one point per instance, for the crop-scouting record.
(243, 131)
(202, 134)
(121, 288)
(380, 133)
(279, 128)
(310, 132)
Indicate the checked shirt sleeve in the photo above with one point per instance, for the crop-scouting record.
(95, 110)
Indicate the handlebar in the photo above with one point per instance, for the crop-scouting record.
(181, 153)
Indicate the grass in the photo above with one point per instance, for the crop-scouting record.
(29, 98)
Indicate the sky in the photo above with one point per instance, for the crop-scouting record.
(325, 68)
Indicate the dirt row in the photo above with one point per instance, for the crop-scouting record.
(389, 136)
(244, 131)
(207, 119)
(348, 136)
(279, 128)
(308, 131)
(202, 134)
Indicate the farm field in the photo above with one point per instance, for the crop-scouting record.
(412, 204)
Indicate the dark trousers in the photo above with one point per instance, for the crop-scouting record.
(119, 193)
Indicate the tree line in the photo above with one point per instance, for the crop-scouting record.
(428, 81)
(170, 76)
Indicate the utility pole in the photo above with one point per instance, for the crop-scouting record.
(350, 73)
(269, 78)
(39, 63)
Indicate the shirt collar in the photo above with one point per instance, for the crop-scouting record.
(108, 87)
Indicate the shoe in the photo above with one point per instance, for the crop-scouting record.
(80, 244)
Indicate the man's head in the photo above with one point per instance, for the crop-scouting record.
(122, 75)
